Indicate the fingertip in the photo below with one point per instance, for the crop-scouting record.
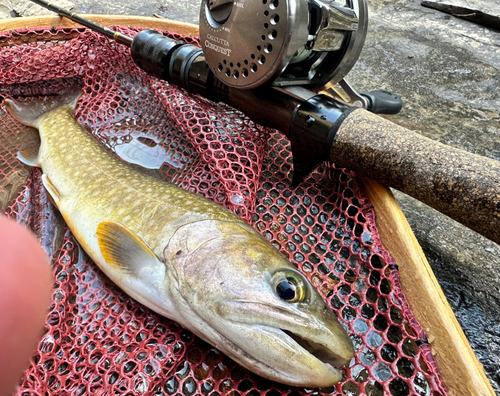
(25, 290)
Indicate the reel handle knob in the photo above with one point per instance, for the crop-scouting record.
(383, 102)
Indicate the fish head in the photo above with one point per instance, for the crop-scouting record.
(236, 291)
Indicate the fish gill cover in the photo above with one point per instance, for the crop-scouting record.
(100, 341)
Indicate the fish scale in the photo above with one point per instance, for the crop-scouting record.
(105, 184)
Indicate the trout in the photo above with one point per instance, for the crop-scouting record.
(184, 256)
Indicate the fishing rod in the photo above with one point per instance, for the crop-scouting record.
(270, 59)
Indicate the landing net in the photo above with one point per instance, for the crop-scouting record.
(99, 341)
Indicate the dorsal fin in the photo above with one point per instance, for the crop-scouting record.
(123, 250)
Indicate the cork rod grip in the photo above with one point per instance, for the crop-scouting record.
(464, 186)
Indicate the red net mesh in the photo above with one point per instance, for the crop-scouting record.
(100, 341)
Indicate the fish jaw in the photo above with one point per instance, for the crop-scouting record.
(222, 284)
(321, 335)
(272, 354)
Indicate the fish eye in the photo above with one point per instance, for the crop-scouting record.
(289, 287)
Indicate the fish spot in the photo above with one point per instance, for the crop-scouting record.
(179, 252)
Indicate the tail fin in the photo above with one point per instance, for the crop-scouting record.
(29, 112)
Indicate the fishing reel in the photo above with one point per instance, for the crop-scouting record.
(309, 43)
(288, 43)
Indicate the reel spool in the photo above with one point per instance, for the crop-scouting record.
(251, 43)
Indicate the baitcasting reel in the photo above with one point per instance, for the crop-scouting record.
(299, 47)
(248, 44)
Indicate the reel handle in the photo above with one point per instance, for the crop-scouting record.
(383, 102)
(459, 184)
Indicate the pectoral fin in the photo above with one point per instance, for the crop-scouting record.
(124, 250)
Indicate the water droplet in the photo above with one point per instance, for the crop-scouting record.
(236, 199)
(368, 357)
(360, 285)
(189, 387)
(182, 370)
(207, 386)
(421, 385)
(59, 295)
(374, 339)
(382, 372)
(367, 238)
(171, 386)
(360, 326)
(47, 344)
(139, 153)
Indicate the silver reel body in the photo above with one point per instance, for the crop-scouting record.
(251, 43)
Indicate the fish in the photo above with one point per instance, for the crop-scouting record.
(183, 256)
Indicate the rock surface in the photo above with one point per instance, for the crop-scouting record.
(447, 71)
(27, 8)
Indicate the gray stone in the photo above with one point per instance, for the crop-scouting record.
(27, 8)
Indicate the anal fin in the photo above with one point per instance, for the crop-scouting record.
(122, 249)
(51, 189)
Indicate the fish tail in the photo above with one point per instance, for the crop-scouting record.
(29, 112)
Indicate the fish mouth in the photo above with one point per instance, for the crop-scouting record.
(319, 351)
(315, 348)
(311, 364)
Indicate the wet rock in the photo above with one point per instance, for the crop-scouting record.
(25, 8)
(482, 330)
